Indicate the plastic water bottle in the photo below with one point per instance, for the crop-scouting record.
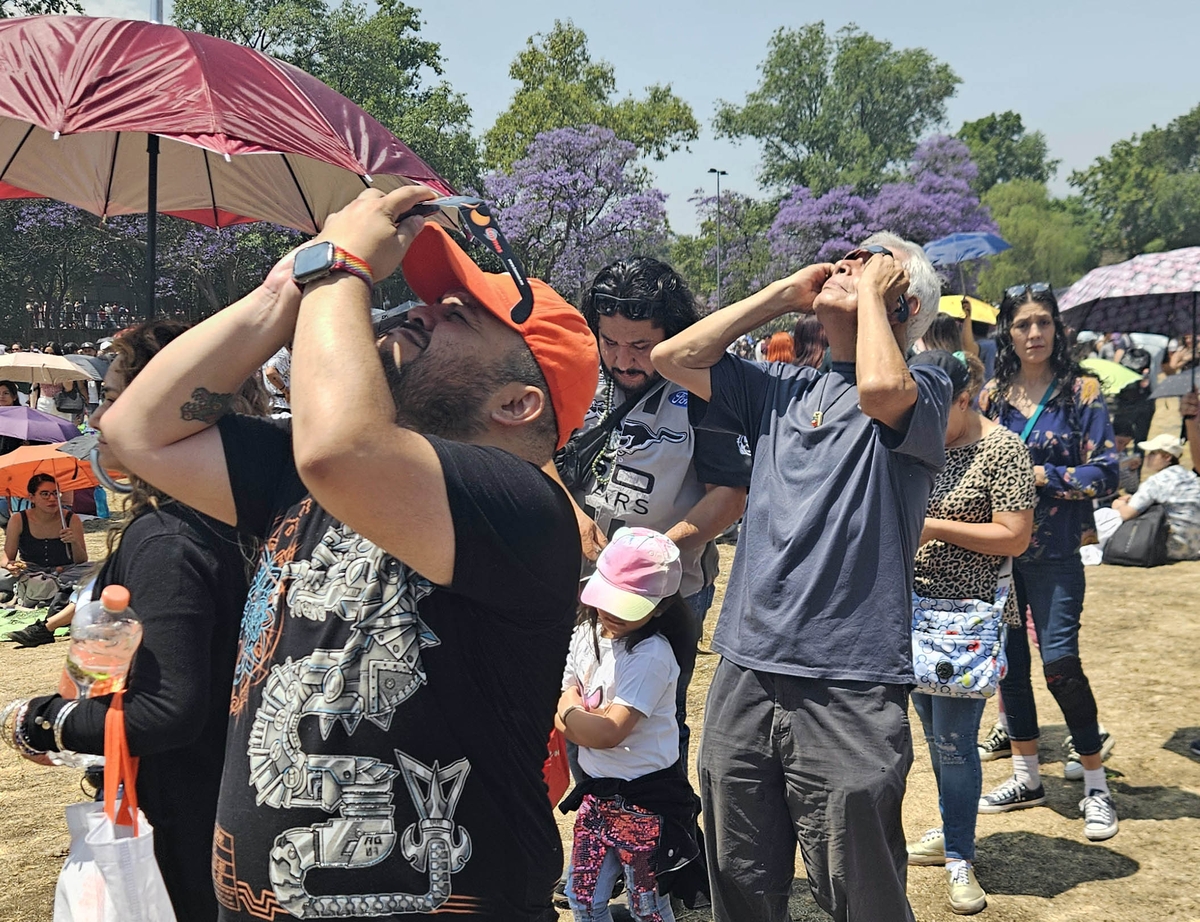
(104, 637)
(101, 503)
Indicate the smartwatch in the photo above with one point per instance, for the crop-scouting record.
(320, 259)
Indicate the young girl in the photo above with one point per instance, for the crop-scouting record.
(636, 808)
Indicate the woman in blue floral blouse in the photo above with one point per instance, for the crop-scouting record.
(1059, 412)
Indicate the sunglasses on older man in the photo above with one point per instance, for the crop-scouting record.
(864, 253)
(472, 217)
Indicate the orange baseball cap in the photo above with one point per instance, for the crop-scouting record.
(556, 333)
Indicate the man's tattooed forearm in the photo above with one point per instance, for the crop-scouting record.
(205, 406)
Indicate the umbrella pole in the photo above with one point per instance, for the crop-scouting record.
(151, 220)
(1195, 297)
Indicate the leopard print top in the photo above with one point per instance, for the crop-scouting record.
(991, 475)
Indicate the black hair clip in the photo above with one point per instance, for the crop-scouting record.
(472, 217)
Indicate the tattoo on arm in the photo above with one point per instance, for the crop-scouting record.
(205, 406)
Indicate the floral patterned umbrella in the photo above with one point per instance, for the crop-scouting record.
(1151, 293)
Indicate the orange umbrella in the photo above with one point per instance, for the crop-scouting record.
(17, 466)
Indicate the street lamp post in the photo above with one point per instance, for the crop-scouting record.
(719, 174)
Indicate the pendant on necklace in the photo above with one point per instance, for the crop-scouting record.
(817, 418)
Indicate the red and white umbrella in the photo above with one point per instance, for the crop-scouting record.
(243, 136)
(120, 117)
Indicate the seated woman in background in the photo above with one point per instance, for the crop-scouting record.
(44, 536)
(1176, 488)
(45, 539)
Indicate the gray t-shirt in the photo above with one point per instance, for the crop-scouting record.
(821, 583)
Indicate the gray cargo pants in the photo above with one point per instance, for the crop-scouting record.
(823, 763)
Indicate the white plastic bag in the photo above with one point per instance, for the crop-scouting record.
(111, 874)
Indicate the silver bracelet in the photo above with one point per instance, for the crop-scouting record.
(60, 720)
(18, 740)
(7, 716)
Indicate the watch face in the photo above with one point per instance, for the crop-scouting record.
(312, 262)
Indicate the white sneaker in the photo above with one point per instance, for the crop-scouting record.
(966, 896)
(1099, 816)
(929, 850)
(1072, 766)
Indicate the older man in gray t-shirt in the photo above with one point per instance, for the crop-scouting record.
(806, 734)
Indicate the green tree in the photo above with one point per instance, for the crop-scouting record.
(1052, 240)
(745, 250)
(38, 7)
(838, 110)
(1003, 150)
(377, 59)
(561, 86)
(1146, 192)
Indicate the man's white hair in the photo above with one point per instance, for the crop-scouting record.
(923, 281)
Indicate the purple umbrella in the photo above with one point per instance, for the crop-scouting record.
(1151, 293)
(35, 426)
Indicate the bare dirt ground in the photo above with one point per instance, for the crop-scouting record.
(1140, 630)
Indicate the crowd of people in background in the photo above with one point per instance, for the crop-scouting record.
(79, 315)
(374, 527)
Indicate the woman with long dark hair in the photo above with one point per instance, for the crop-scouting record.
(1059, 412)
(810, 342)
(945, 334)
(187, 577)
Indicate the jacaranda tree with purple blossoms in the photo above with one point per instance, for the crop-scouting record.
(212, 268)
(938, 198)
(817, 228)
(52, 252)
(576, 201)
(934, 200)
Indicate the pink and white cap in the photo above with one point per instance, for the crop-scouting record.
(636, 570)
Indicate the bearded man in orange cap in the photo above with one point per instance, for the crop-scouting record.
(405, 635)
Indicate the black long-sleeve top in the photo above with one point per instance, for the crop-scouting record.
(187, 578)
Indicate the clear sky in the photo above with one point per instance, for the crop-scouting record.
(1085, 73)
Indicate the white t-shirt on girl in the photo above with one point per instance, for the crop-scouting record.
(643, 680)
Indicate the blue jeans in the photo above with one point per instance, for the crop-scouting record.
(605, 882)
(952, 731)
(1053, 590)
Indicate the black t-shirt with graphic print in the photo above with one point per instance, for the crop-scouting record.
(387, 736)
